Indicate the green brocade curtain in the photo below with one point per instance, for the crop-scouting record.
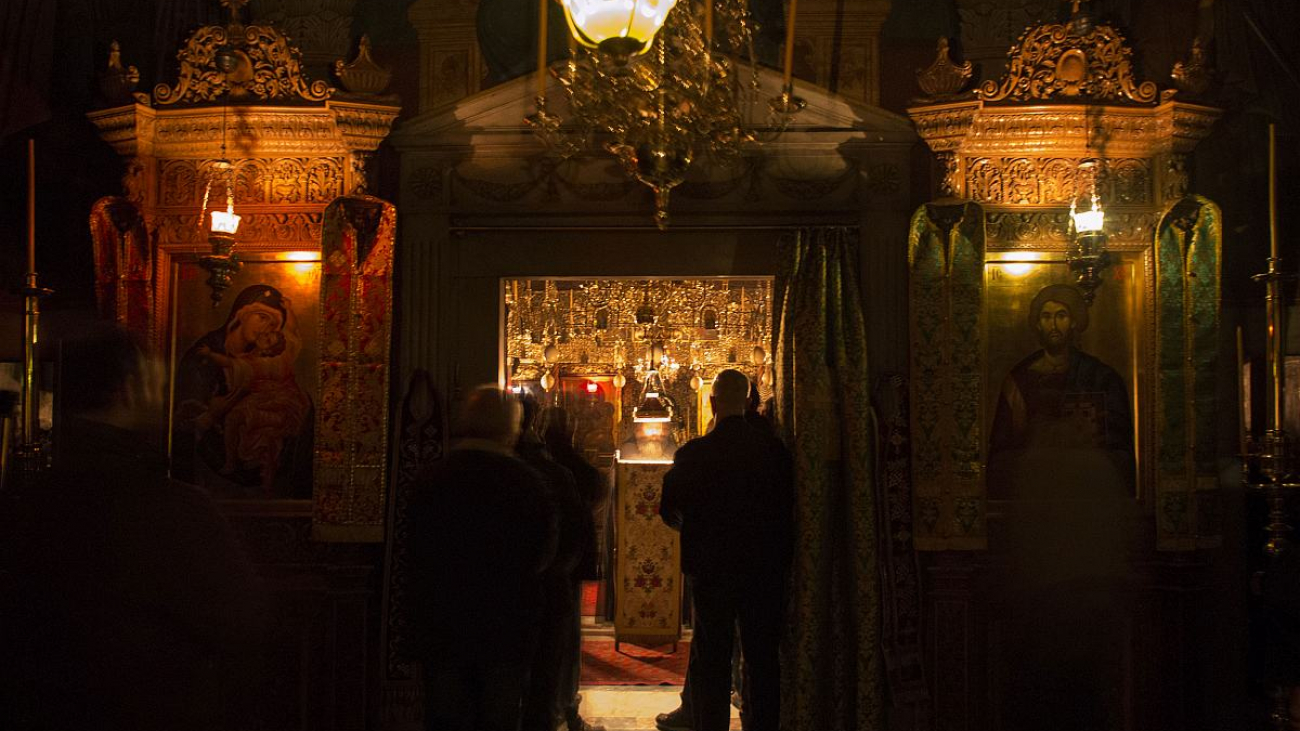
(1188, 243)
(831, 665)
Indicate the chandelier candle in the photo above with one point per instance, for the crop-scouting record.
(787, 83)
(541, 47)
(708, 25)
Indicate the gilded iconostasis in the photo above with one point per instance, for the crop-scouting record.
(598, 346)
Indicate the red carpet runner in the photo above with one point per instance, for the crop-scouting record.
(632, 665)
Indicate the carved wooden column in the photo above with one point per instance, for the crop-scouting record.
(839, 43)
(451, 67)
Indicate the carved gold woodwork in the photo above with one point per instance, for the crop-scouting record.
(1030, 155)
(268, 69)
(1056, 60)
(1020, 149)
(362, 75)
(943, 77)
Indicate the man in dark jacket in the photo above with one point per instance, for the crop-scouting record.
(549, 698)
(593, 492)
(125, 602)
(731, 494)
(483, 533)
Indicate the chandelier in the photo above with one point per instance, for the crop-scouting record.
(657, 98)
(663, 329)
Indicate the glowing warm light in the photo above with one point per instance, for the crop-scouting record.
(516, 389)
(592, 388)
(225, 222)
(1090, 221)
(592, 22)
(300, 256)
(1018, 269)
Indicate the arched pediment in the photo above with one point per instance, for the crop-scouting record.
(481, 155)
(502, 109)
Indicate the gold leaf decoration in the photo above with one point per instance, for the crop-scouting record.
(267, 68)
(1061, 62)
(944, 77)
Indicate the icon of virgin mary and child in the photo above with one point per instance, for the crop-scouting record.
(244, 424)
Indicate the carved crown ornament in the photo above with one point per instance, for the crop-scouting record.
(244, 86)
(1073, 61)
(1068, 98)
(242, 63)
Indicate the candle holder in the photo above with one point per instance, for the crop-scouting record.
(1270, 466)
(221, 264)
(30, 454)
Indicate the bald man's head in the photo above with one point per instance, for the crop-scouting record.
(489, 413)
(730, 393)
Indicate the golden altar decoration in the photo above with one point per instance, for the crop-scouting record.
(1067, 117)
(701, 325)
(294, 146)
(614, 332)
(647, 572)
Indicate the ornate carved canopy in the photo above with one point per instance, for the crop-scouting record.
(1068, 98)
(1069, 60)
(294, 143)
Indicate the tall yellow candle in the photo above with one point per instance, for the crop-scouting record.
(31, 205)
(789, 48)
(1272, 190)
(541, 47)
(708, 24)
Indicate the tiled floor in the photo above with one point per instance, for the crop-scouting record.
(632, 708)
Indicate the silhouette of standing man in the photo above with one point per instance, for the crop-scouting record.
(483, 534)
(731, 494)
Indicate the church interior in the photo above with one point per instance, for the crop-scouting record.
(1013, 281)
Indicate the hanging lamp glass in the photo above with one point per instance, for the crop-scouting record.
(654, 407)
(621, 28)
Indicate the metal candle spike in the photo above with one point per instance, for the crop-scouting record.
(29, 450)
(1270, 464)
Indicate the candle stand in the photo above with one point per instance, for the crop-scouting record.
(1269, 462)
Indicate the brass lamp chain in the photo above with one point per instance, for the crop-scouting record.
(203, 207)
(230, 169)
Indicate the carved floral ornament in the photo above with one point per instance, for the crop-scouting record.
(243, 62)
(1072, 62)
